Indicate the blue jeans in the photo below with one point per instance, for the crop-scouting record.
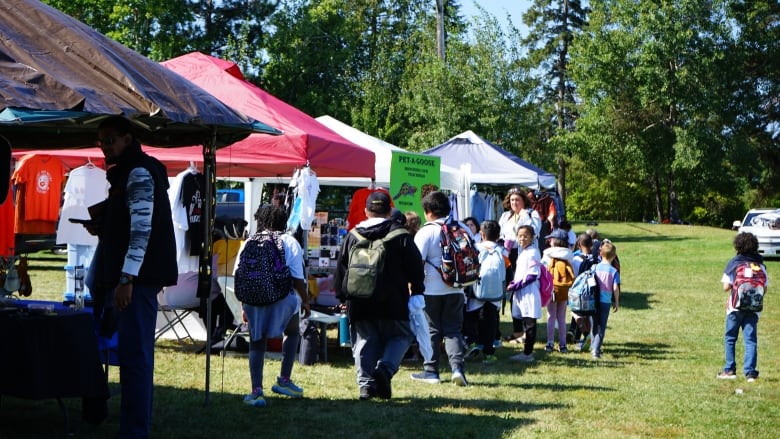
(748, 321)
(379, 343)
(600, 326)
(136, 329)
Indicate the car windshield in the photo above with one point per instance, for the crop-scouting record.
(770, 220)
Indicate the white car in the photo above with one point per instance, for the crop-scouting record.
(765, 225)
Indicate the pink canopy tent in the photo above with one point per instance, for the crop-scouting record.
(305, 141)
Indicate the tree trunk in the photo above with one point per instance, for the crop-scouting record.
(562, 183)
(658, 204)
(561, 105)
(441, 35)
(674, 204)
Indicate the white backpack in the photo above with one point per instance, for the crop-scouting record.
(492, 272)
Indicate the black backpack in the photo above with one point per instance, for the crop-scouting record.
(262, 276)
(588, 261)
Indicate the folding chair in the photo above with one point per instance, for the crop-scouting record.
(175, 322)
(226, 251)
(176, 306)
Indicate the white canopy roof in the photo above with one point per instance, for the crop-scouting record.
(450, 177)
(490, 164)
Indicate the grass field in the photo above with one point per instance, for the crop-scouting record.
(656, 377)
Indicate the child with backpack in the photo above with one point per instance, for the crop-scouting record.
(557, 258)
(276, 318)
(481, 319)
(581, 262)
(745, 279)
(608, 278)
(526, 297)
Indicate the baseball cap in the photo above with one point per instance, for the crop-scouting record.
(558, 234)
(398, 217)
(378, 202)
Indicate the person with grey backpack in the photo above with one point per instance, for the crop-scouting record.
(480, 323)
(379, 275)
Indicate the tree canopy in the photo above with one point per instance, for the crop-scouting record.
(646, 109)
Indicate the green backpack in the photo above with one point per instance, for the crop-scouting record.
(366, 264)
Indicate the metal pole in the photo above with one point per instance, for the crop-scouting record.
(205, 274)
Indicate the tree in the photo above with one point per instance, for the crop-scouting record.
(553, 25)
(319, 52)
(754, 156)
(651, 81)
(162, 29)
(152, 28)
(481, 87)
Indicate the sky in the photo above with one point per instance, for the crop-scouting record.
(498, 8)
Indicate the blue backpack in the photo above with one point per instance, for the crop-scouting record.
(583, 294)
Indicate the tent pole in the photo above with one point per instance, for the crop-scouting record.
(205, 270)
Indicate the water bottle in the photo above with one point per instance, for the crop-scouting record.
(344, 339)
(78, 275)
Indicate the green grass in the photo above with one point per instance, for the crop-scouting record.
(656, 378)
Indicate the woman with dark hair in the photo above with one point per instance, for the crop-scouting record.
(473, 226)
(518, 212)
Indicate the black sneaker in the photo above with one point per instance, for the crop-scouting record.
(382, 382)
(752, 377)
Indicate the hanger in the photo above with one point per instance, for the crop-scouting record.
(192, 167)
(372, 185)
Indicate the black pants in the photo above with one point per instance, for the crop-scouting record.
(530, 335)
(480, 326)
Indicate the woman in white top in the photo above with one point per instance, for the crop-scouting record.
(518, 212)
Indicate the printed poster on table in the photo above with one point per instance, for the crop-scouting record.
(412, 176)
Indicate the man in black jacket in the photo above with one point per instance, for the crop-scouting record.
(135, 258)
(380, 324)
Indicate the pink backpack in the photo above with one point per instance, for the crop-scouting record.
(545, 285)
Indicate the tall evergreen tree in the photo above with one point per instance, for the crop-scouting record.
(553, 25)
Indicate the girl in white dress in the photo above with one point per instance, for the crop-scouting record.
(526, 300)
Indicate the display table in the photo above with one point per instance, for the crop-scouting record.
(51, 351)
(323, 320)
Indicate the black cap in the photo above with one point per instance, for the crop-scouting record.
(378, 202)
(398, 217)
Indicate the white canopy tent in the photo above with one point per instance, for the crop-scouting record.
(486, 163)
(450, 178)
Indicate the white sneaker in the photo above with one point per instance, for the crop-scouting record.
(426, 377)
(526, 358)
(459, 379)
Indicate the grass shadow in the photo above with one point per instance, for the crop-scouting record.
(648, 234)
(642, 351)
(182, 413)
(636, 300)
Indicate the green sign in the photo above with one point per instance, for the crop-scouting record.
(411, 177)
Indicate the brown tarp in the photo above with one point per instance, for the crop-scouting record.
(51, 61)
